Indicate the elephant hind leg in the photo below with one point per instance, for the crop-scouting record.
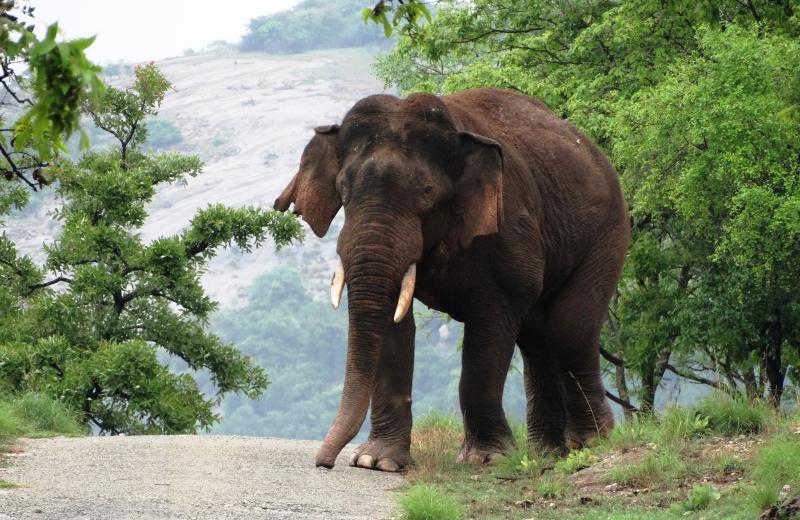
(544, 392)
(573, 320)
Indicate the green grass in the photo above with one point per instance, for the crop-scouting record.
(428, 502)
(701, 496)
(721, 459)
(777, 465)
(34, 415)
(660, 468)
(735, 416)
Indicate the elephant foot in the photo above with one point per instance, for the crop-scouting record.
(487, 454)
(381, 455)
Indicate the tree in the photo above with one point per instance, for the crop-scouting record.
(44, 101)
(124, 307)
(696, 104)
(311, 24)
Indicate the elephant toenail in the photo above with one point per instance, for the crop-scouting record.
(353, 458)
(387, 465)
(366, 461)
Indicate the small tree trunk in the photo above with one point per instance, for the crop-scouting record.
(776, 374)
(750, 384)
(622, 390)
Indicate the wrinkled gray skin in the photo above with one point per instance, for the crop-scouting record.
(518, 228)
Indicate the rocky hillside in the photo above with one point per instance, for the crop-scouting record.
(248, 117)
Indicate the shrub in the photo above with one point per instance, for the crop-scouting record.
(428, 502)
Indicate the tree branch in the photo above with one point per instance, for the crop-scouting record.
(691, 377)
(614, 360)
(42, 285)
(623, 403)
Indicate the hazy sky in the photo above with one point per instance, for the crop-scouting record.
(139, 30)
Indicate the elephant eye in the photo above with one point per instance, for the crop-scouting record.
(428, 190)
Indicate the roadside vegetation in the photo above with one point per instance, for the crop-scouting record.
(722, 459)
(34, 415)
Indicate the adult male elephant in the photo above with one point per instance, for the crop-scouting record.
(486, 206)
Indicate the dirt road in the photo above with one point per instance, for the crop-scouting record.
(177, 477)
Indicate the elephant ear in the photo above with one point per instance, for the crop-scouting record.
(313, 188)
(479, 190)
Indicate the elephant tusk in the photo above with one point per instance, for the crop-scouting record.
(406, 293)
(337, 285)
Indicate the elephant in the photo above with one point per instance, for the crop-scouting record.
(486, 206)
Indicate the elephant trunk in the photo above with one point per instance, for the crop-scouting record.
(371, 296)
(376, 270)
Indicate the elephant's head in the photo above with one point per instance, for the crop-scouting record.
(409, 180)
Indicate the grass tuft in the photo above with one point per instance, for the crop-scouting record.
(551, 487)
(678, 425)
(576, 461)
(735, 415)
(42, 416)
(701, 496)
(777, 465)
(435, 441)
(428, 502)
(660, 468)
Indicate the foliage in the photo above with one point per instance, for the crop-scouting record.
(427, 502)
(407, 14)
(311, 24)
(44, 81)
(696, 103)
(124, 306)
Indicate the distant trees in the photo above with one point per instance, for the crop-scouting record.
(95, 325)
(311, 24)
(303, 342)
(698, 106)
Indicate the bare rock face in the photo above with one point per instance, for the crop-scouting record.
(786, 510)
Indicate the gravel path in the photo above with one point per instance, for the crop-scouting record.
(177, 477)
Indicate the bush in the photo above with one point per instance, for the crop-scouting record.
(735, 415)
(428, 502)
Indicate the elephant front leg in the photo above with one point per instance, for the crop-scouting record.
(486, 357)
(389, 442)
